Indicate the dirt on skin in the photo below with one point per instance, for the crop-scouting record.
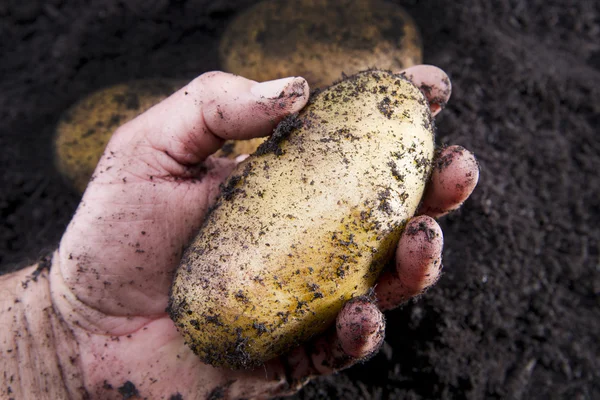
(516, 313)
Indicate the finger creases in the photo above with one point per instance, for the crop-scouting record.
(454, 177)
(418, 263)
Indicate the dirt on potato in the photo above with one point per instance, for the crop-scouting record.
(516, 313)
(263, 226)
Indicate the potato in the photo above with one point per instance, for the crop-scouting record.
(319, 39)
(305, 223)
(234, 148)
(84, 130)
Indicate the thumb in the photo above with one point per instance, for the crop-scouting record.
(193, 123)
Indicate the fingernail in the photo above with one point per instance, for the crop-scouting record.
(272, 89)
(241, 158)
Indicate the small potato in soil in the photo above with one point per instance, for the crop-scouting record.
(84, 130)
(306, 223)
(319, 39)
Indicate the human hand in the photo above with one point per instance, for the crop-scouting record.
(111, 276)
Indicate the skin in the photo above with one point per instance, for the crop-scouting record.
(91, 318)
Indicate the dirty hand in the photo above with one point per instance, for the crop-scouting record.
(108, 335)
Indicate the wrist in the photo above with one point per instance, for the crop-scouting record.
(40, 357)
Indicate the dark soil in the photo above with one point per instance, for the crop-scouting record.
(516, 314)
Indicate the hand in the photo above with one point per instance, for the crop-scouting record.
(111, 275)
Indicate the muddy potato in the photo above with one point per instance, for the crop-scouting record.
(319, 39)
(305, 223)
(84, 130)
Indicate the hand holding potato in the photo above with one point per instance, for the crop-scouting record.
(111, 276)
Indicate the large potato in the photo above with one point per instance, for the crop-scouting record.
(305, 223)
(319, 39)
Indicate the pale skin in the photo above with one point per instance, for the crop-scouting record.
(92, 324)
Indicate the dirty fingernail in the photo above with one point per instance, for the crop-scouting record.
(272, 89)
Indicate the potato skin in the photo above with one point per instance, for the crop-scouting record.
(306, 223)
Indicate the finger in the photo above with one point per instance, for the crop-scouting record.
(454, 177)
(194, 122)
(418, 263)
(433, 82)
(255, 111)
(360, 328)
(358, 335)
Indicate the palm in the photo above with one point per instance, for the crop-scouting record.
(131, 271)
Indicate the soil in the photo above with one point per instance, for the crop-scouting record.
(516, 314)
